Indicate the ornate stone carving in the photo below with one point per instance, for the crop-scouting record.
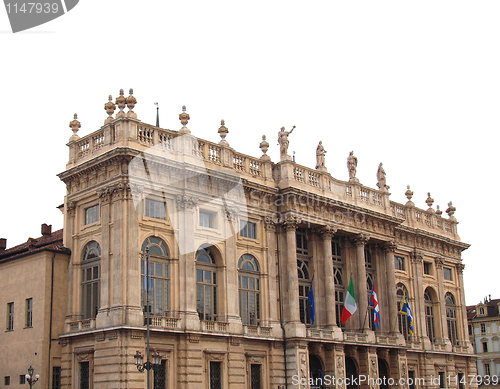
(361, 239)
(284, 142)
(439, 262)
(328, 231)
(131, 102)
(460, 267)
(416, 256)
(184, 118)
(381, 181)
(223, 133)
(75, 126)
(409, 195)
(120, 102)
(429, 201)
(451, 211)
(264, 146)
(185, 202)
(320, 157)
(110, 108)
(352, 164)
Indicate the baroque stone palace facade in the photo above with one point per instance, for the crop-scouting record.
(234, 243)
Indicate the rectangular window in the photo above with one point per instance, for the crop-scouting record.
(470, 329)
(255, 376)
(22, 379)
(92, 214)
(207, 219)
(427, 268)
(399, 263)
(247, 229)
(7, 380)
(155, 209)
(483, 328)
(461, 381)
(487, 369)
(215, 375)
(159, 377)
(84, 375)
(90, 291)
(447, 274)
(10, 317)
(411, 379)
(485, 347)
(56, 377)
(29, 312)
(442, 380)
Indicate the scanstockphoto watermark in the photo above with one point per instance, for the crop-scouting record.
(331, 380)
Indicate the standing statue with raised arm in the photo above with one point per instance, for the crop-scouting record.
(284, 142)
(320, 157)
(352, 164)
(381, 182)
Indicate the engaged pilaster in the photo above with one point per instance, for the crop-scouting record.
(389, 249)
(327, 235)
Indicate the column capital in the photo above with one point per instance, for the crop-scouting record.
(328, 231)
(460, 267)
(269, 224)
(186, 202)
(361, 239)
(416, 256)
(290, 222)
(389, 247)
(439, 262)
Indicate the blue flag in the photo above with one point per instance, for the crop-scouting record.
(310, 301)
(406, 310)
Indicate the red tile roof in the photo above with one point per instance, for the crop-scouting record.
(52, 242)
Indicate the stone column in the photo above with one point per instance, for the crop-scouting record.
(418, 287)
(292, 303)
(327, 234)
(442, 303)
(389, 249)
(463, 308)
(293, 326)
(361, 296)
(187, 262)
(273, 315)
(74, 270)
(106, 281)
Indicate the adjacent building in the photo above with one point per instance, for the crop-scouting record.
(238, 248)
(484, 331)
(33, 301)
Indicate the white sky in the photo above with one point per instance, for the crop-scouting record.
(415, 85)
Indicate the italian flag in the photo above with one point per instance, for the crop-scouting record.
(349, 304)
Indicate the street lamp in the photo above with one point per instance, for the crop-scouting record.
(138, 358)
(29, 376)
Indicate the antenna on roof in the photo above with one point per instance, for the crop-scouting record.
(157, 115)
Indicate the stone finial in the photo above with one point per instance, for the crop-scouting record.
(409, 195)
(429, 201)
(223, 132)
(131, 102)
(75, 126)
(184, 118)
(120, 102)
(451, 211)
(438, 211)
(264, 146)
(110, 109)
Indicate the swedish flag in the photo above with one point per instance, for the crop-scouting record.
(406, 310)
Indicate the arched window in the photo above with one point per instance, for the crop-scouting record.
(338, 279)
(451, 318)
(402, 318)
(206, 284)
(91, 279)
(429, 315)
(249, 290)
(159, 276)
(304, 286)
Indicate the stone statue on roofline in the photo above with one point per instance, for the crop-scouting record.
(320, 157)
(284, 142)
(352, 164)
(381, 182)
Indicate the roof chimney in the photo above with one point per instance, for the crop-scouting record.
(3, 244)
(46, 229)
